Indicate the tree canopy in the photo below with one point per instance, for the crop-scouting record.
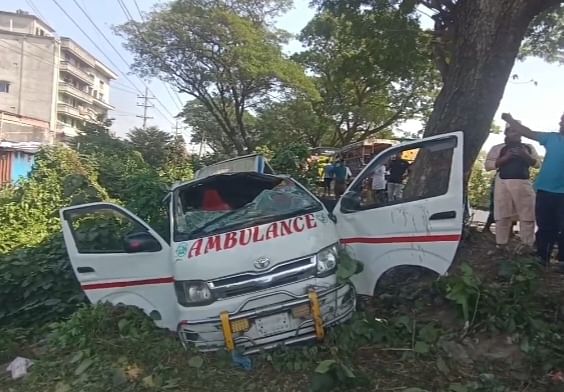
(475, 45)
(222, 53)
(373, 70)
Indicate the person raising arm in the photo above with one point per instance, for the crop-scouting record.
(550, 189)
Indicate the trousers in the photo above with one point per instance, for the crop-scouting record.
(550, 222)
(514, 197)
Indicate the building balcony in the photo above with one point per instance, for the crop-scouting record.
(69, 45)
(76, 72)
(103, 104)
(66, 130)
(70, 111)
(74, 92)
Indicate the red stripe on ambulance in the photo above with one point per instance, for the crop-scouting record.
(129, 283)
(402, 240)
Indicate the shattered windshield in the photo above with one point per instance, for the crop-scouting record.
(233, 201)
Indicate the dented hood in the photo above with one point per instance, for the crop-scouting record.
(236, 251)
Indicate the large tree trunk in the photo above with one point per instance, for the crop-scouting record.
(483, 41)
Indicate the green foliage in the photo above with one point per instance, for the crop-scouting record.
(29, 213)
(206, 129)
(152, 143)
(222, 53)
(545, 38)
(370, 77)
(92, 324)
(37, 285)
(509, 305)
(465, 291)
(102, 348)
(299, 120)
(479, 186)
(292, 160)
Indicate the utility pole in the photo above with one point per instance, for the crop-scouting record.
(145, 105)
(203, 141)
(176, 128)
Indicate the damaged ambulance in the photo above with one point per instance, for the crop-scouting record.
(249, 259)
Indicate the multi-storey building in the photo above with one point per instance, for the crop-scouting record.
(49, 85)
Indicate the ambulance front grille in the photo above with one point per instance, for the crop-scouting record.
(249, 282)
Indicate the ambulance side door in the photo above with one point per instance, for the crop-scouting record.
(118, 258)
(419, 225)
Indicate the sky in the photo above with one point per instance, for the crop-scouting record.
(538, 106)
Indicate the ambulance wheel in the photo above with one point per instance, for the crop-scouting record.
(406, 282)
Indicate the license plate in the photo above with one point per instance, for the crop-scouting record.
(273, 324)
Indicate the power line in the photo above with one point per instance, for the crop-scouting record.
(125, 10)
(16, 48)
(129, 17)
(102, 34)
(43, 60)
(103, 52)
(138, 9)
(95, 44)
(124, 90)
(35, 9)
(168, 90)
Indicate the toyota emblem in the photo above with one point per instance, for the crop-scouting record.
(262, 263)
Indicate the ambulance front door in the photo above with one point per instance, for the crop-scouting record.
(118, 258)
(405, 212)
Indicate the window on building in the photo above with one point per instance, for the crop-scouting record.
(4, 86)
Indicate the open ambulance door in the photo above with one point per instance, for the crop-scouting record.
(407, 224)
(118, 258)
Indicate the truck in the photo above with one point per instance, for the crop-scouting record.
(357, 155)
(248, 261)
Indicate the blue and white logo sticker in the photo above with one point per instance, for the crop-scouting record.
(321, 217)
(182, 250)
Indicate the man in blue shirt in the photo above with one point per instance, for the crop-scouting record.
(341, 173)
(550, 189)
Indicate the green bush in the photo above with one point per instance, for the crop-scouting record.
(29, 212)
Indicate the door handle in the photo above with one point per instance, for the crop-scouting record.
(443, 215)
(84, 270)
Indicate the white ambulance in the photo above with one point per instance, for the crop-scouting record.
(249, 259)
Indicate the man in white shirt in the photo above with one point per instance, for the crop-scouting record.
(513, 192)
(379, 184)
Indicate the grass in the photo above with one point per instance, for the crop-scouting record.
(398, 343)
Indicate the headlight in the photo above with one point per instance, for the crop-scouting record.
(327, 261)
(193, 293)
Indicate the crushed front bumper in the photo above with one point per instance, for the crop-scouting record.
(302, 318)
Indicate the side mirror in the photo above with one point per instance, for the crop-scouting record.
(141, 242)
(350, 201)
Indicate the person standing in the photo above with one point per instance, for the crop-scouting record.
(513, 192)
(328, 178)
(550, 189)
(379, 184)
(340, 173)
(491, 216)
(397, 169)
